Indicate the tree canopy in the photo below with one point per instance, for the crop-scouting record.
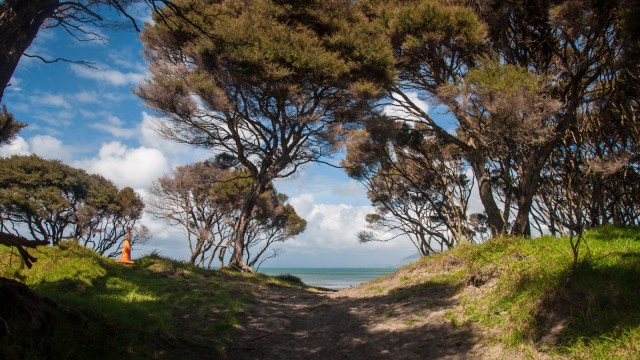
(205, 199)
(536, 94)
(272, 84)
(47, 200)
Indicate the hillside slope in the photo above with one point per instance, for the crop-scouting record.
(507, 298)
(155, 308)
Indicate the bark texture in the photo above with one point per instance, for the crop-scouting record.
(20, 21)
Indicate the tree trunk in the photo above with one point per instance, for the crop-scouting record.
(494, 216)
(240, 229)
(20, 21)
(522, 226)
(529, 187)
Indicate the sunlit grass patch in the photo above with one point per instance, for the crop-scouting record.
(155, 307)
(528, 293)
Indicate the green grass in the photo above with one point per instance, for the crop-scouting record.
(526, 287)
(156, 308)
(516, 289)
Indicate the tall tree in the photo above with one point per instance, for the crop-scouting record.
(9, 127)
(184, 199)
(272, 83)
(106, 216)
(517, 76)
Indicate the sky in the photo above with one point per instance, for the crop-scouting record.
(89, 118)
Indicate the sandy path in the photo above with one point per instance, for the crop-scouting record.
(289, 323)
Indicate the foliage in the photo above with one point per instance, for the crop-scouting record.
(205, 198)
(290, 279)
(418, 188)
(47, 200)
(528, 85)
(271, 83)
(9, 127)
(183, 199)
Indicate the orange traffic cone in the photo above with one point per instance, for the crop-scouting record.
(126, 250)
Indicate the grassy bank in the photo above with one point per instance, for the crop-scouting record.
(523, 293)
(156, 308)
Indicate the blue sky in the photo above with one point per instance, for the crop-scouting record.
(89, 118)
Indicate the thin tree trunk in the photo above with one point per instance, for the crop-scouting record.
(240, 230)
(494, 216)
(20, 21)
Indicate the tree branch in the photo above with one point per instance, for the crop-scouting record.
(47, 61)
(18, 242)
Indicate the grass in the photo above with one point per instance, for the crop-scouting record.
(156, 308)
(523, 292)
(527, 293)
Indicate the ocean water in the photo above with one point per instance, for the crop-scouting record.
(331, 278)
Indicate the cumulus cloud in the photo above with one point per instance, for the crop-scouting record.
(110, 76)
(177, 154)
(330, 226)
(49, 147)
(169, 240)
(135, 167)
(17, 147)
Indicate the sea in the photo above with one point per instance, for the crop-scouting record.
(331, 278)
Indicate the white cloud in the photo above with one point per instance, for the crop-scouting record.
(49, 99)
(17, 147)
(135, 167)
(176, 153)
(330, 226)
(114, 126)
(49, 147)
(94, 97)
(56, 119)
(110, 76)
(475, 204)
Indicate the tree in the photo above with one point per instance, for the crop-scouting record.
(205, 198)
(9, 127)
(274, 222)
(273, 84)
(184, 199)
(419, 189)
(518, 77)
(40, 195)
(106, 216)
(51, 201)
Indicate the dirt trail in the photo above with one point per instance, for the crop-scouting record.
(410, 323)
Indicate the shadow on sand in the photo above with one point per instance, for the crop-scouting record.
(410, 323)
